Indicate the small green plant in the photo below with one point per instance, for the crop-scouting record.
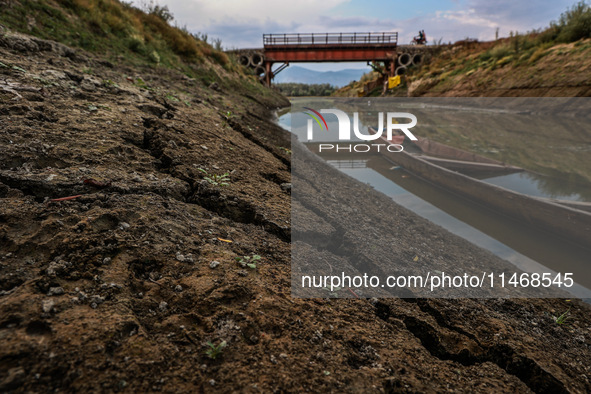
(249, 261)
(288, 151)
(561, 320)
(17, 68)
(140, 83)
(214, 351)
(334, 293)
(44, 81)
(13, 67)
(109, 83)
(215, 179)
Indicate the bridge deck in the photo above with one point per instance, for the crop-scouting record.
(330, 47)
(331, 39)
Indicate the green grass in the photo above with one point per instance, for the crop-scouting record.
(112, 27)
(561, 320)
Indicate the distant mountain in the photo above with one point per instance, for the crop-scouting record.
(303, 75)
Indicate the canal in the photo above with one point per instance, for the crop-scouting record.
(527, 247)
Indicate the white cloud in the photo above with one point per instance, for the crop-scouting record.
(201, 14)
(241, 23)
(466, 17)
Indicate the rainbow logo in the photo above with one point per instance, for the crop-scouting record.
(316, 118)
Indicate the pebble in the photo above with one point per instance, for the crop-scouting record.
(163, 306)
(185, 259)
(212, 382)
(106, 260)
(97, 299)
(124, 225)
(286, 187)
(178, 288)
(87, 85)
(47, 305)
(214, 264)
(56, 267)
(55, 291)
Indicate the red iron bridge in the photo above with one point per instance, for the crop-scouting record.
(373, 48)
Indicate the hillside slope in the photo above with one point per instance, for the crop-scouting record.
(506, 69)
(495, 69)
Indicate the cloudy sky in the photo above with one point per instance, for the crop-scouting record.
(241, 23)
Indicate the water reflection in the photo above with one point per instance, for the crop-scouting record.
(542, 186)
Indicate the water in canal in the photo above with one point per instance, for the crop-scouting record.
(523, 245)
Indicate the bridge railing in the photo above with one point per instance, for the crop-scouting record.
(330, 38)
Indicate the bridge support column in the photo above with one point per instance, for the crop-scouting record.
(268, 73)
(391, 67)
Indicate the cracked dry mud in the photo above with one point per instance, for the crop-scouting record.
(115, 291)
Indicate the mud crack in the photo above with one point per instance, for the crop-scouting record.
(504, 356)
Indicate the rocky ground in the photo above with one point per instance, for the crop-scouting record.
(171, 179)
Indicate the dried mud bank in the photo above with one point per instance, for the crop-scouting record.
(120, 289)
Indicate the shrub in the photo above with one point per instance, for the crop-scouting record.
(162, 12)
(136, 45)
(220, 57)
(497, 52)
(575, 23)
(538, 54)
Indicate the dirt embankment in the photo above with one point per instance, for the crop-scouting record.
(120, 289)
(509, 67)
(515, 67)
